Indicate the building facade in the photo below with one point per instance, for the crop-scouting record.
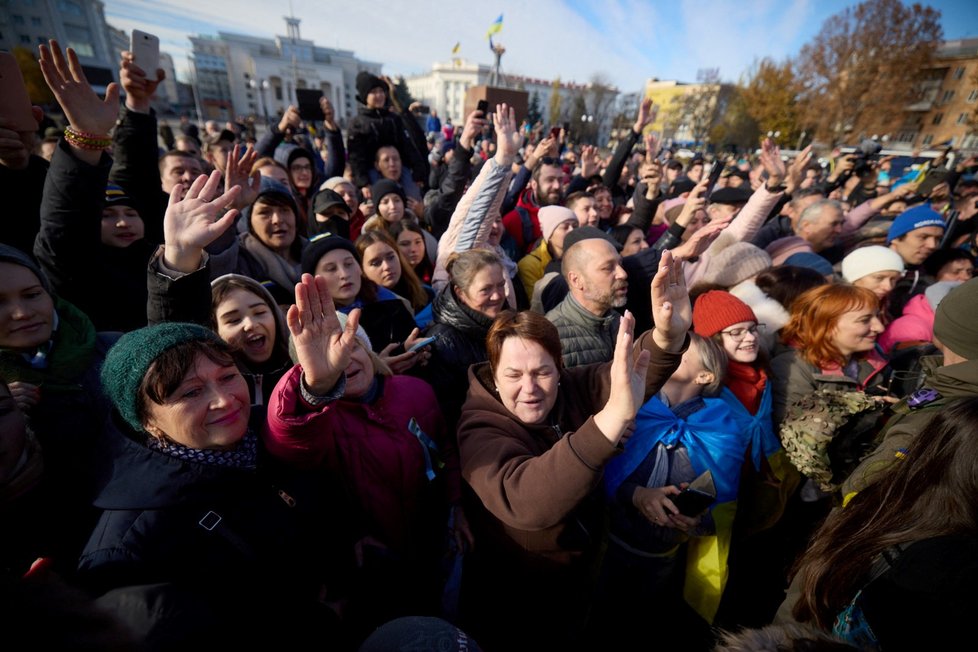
(444, 87)
(78, 24)
(240, 75)
(949, 95)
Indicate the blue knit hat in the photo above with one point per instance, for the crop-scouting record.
(915, 218)
(130, 358)
(811, 261)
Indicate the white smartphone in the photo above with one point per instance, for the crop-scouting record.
(145, 50)
(421, 344)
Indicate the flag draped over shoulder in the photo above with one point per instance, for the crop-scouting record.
(496, 27)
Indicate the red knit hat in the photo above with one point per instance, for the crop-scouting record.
(716, 309)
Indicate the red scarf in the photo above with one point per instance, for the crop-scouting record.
(747, 384)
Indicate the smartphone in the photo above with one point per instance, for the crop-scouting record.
(715, 173)
(15, 103)
(145, 50)
(483, 106)
(420, 344)
(692, 502)
(309, 108)
(555, 133)
(698, 496)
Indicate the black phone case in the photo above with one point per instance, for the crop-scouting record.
(692, 502)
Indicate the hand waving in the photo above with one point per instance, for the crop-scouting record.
(627, 377)
(237, 174)
(771, 160)
(322, 346)
(508, 136)
(192, 221)
(83, 108)
(671, 311)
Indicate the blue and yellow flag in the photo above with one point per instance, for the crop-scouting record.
(458, 46)
(496, 27)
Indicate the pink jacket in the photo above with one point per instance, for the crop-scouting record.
(370, 449)
(743, 229)
(472, 221)
(915, 325)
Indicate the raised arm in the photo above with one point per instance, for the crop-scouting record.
(74, 191)
(135, 151)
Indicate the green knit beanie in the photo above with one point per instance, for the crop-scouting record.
(956, 320)
(130, 358)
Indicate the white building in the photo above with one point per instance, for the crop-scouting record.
(236, 74)
(444, 87)
(78, 24)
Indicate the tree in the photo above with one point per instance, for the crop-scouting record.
(37, 88)
(737, 128)
(862, 69)
(555, 100)
(402, 93)
(770, 97)
(533, 114)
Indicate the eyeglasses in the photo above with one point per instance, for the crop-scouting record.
(301, 168)
(738, 334)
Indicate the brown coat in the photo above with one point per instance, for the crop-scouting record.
(538, 481)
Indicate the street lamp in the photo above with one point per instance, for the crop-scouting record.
(261, 86)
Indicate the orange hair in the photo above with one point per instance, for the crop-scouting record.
(814, 316)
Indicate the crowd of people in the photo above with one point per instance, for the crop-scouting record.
(477, 387)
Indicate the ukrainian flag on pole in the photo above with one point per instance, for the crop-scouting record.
(496, 27)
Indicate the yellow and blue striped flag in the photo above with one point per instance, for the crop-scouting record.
(496, 27)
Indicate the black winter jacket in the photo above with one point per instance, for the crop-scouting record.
(106, 283)
(461, 342)
(185, 550)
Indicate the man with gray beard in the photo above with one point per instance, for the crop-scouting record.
(586, 319)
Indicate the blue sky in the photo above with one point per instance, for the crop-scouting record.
(627, 41)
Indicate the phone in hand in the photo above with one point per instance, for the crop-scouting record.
(15, 103)
(715, 173)
(420, 344)
(483, 106)
(697, 497)
(145, 49)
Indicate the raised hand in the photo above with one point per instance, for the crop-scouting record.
(671, 310)
(651, 147)
(194, 219)
(694, 201)
(329, 115)
(645, 116)
(771, 160)
(139, 89)
(627, 377)
(290, 119)
(700, 241)
(796, 171)
(546, 147)
(508, 136)
(237, 173)
(322, 346)
(82, 106)
(474, 122)
(590, 161)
